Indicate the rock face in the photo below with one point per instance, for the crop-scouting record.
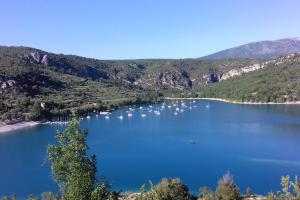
(292, 58)
(7, 84)
(36, 57)
(168, 79)
(243, 70)
(259, 50)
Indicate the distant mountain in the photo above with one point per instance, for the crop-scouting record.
(259, 50)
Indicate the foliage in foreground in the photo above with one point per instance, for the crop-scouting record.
(72, 168)
(290, 190)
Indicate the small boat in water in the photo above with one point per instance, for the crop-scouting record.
(143, 115)
(156, 112)
(175, 113)
(106, 117)
(207, 106)
(104, 113)
(121, 116)
(193, 141)
(129, 114)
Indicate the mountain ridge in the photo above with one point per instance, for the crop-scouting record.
(267, 49)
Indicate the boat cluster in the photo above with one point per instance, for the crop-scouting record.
(176, 107)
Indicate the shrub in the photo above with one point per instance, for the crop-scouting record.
(167, 189)
(227, 189)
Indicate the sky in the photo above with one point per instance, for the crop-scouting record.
(134, 29)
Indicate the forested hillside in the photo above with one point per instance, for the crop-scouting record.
(278, 81)
(35, 84)
(29, 77)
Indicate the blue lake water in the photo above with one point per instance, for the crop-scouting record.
(256, 143)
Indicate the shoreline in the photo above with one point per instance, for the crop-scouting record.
(235, 102)
(20, 125)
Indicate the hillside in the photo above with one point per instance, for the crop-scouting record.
(277, 81)
(31, 76)
(36, 84)
(259, 50)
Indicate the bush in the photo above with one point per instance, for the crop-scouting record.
(227, 189)
(167, 189)
(206, 193)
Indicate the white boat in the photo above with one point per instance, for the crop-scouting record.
(177, 109)
(106, 117)
(175, 113)
(121, 116)
(88, 117)
(207, 106)
(141, 108)
(181, 110)
(129, 114)
(143, 115)
(104, 113)
(169, 106)
(157, 112)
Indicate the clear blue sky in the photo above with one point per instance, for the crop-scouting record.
(125, 29)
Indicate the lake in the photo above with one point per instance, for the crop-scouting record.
(256, 143)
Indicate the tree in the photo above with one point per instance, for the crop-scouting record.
(227, 189)
(36, 111)
(72, 168)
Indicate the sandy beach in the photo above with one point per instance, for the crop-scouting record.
(236, 102)
(13, 127)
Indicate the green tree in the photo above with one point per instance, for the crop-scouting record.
(72, 168)
(36, 111)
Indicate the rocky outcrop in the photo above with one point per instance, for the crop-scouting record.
(291, 58)
(7, 84)
(36, 57)
(168, 79)
(243, 70)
